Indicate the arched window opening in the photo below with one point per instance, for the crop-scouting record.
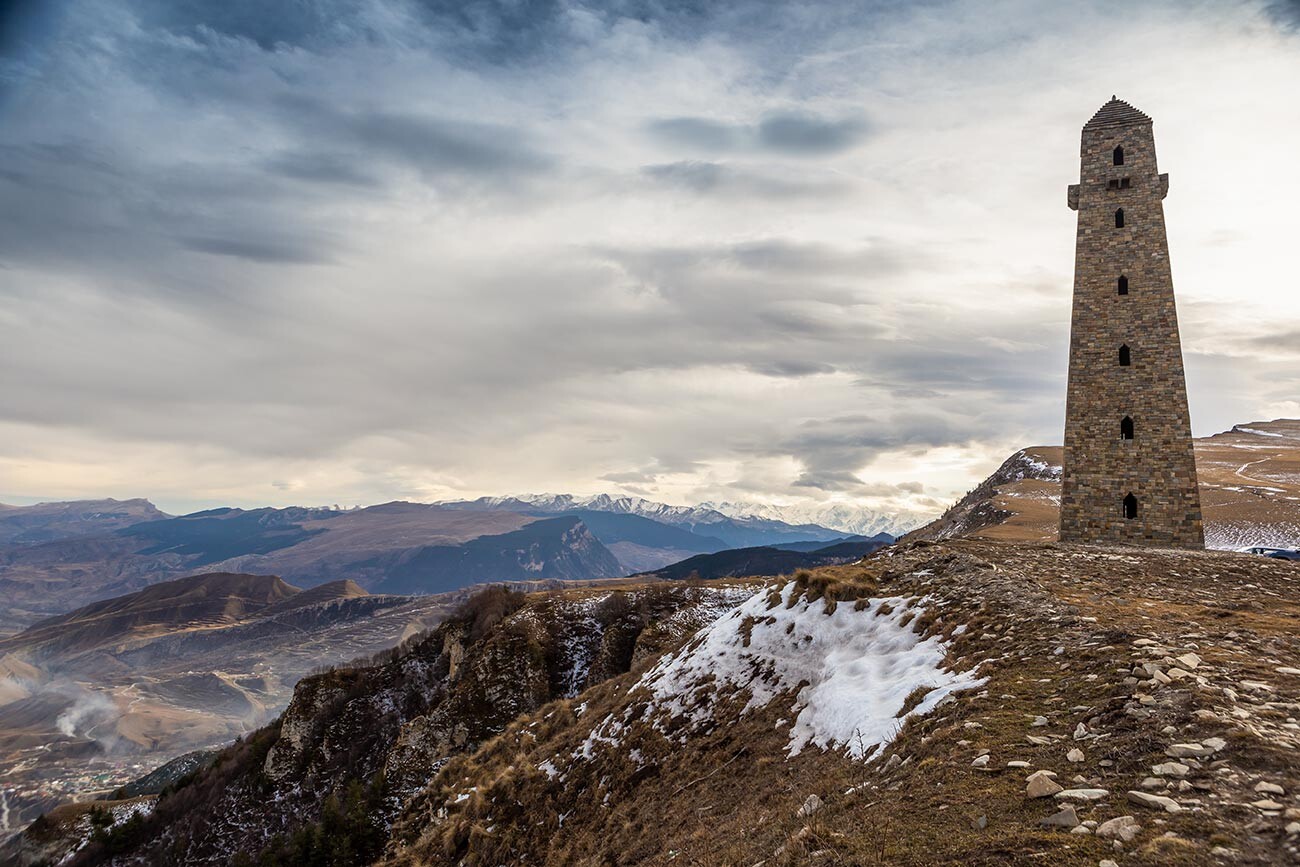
(1130, 507)
(1119, 218)
(1119, 156)
(1123, 285)
(1126, 429)
(1125, 357)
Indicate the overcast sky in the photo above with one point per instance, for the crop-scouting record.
(346, 252)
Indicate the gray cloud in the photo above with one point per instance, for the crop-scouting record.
(436, 146)
(744, 182)
(258, 250)
(790, 133)
(1286, 12)
(318, 167)
(807, 134)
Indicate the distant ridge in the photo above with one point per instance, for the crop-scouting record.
(211, 599)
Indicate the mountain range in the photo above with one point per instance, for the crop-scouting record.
(58, 556)
(736, 524)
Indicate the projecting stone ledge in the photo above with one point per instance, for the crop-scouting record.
(1072, 196)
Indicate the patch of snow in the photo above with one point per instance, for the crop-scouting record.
(857, 667)
(548, 767)
(1262, 433)
(609, 731)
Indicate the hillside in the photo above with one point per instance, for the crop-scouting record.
(961, 703)
(1249, 480)
(502, 655)
(196, 602)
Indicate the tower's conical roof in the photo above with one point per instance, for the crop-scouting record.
(1117, 112)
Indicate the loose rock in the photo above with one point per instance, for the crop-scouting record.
(1040, 785)
(1123, 828)
(1155, 802)
(1081, 794)
(1065, 818)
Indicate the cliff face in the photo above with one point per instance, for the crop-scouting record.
(383, 730)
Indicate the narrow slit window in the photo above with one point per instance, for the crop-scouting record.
(1119, 218)
(1123, 285)
(1124, 183)
(1119, 156)
(1130, 507)
(1125, 357)
(1126, 428)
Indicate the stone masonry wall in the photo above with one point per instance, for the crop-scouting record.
(1157, 466)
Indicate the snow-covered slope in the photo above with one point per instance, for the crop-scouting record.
(851, 668)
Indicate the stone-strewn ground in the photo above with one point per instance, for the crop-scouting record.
(1141, 708)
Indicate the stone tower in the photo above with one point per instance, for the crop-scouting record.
(1130, 474)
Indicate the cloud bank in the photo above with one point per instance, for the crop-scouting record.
(330, 252)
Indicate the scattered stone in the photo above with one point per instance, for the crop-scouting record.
(1267, 788)
(1080, 829)
(1267, 804)
(1065, 818)
(1082, 794)
(1292, 829)
(1106, 862)
(1214, 744)
(1039, 721)
(1017, 764)
(981, 761)
(1188, 661)
(811, 805)
(1286, 669)
(1040, 785)
(1152, 783)
(1080, 732)
(1170, 769)
(980, 824)
(1074, 755)
(1038, 741)
(1155, 802)
(1184, 751)
(1123, 828)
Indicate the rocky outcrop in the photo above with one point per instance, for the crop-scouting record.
(389, 726)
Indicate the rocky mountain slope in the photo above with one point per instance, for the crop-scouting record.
(1249, 479)
(94, 697)
(378, 732)
(960, 703)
